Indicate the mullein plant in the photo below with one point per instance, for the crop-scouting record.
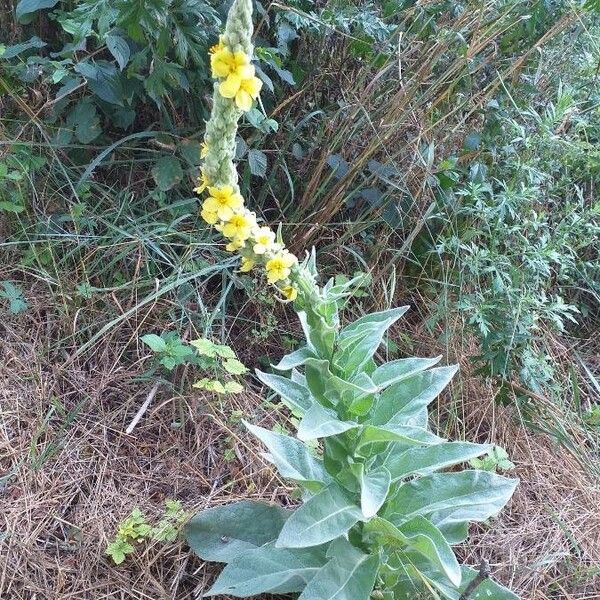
(381, 506)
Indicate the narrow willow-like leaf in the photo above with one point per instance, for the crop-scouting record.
(319, 422)
(451, 497)
(422, 461)
(219, 534)
(291, 457)
(397, 370)
(421, 536)
(269, 570)
(294, 395)
(374, 488)
(324, 517)
(340, 580)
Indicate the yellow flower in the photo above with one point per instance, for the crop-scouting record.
(243, 89)
(225, 63)
(264, 240)
(224, 201)
(278, 267)
(235, 245)
(247, 264)
(239, 226)
(210, 216)
(203, 183)
(290, 292)
(203, 150)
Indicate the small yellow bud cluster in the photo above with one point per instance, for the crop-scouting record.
(237, 75)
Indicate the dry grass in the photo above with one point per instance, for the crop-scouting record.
(72, 474)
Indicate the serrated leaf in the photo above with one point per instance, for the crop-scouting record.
(269, 570)
(16, 49)
(85, 122)
(167, 172)
(14, 295)
(155, 342)
(205, 347)
(257, 160)
(220, 534)
(291, 457)
(234, 366)
(324, 517)
(119, 48)
(233, 387)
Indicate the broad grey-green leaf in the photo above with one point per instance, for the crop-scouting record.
(24, 7)
(407, 399)
(84, 120)
(421, 536)
(257, 160)
(295, 396)
(397, 370)
(356, 395)
(343, 580)
(269, 570)
(414, 436)
(421, 576)
(374, 488)
(221, 533)
(320, 422)
(422, 461)
(451, 498)
(119, 48)
(16, 49)
(358, 342)
(167, 172)
(294, 359)
(324, 517)
(291, 457)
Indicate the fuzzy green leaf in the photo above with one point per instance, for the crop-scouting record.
(398, 370)
(422, 461)
(269, 570)
(324, 517)
(374, 488)
(344, 579)
(167, 172)
(294, 359)
(291, 457)
(421, 536)
(219, 534)
(451, 499)
(294, 395)
(319, 422)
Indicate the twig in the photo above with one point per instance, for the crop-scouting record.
(143, 408)
(484, 573)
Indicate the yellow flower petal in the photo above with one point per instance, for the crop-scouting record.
(252, 85)
(209, 216)
(230, 87)
(247, 264)
(243, 100)
(290, 292)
